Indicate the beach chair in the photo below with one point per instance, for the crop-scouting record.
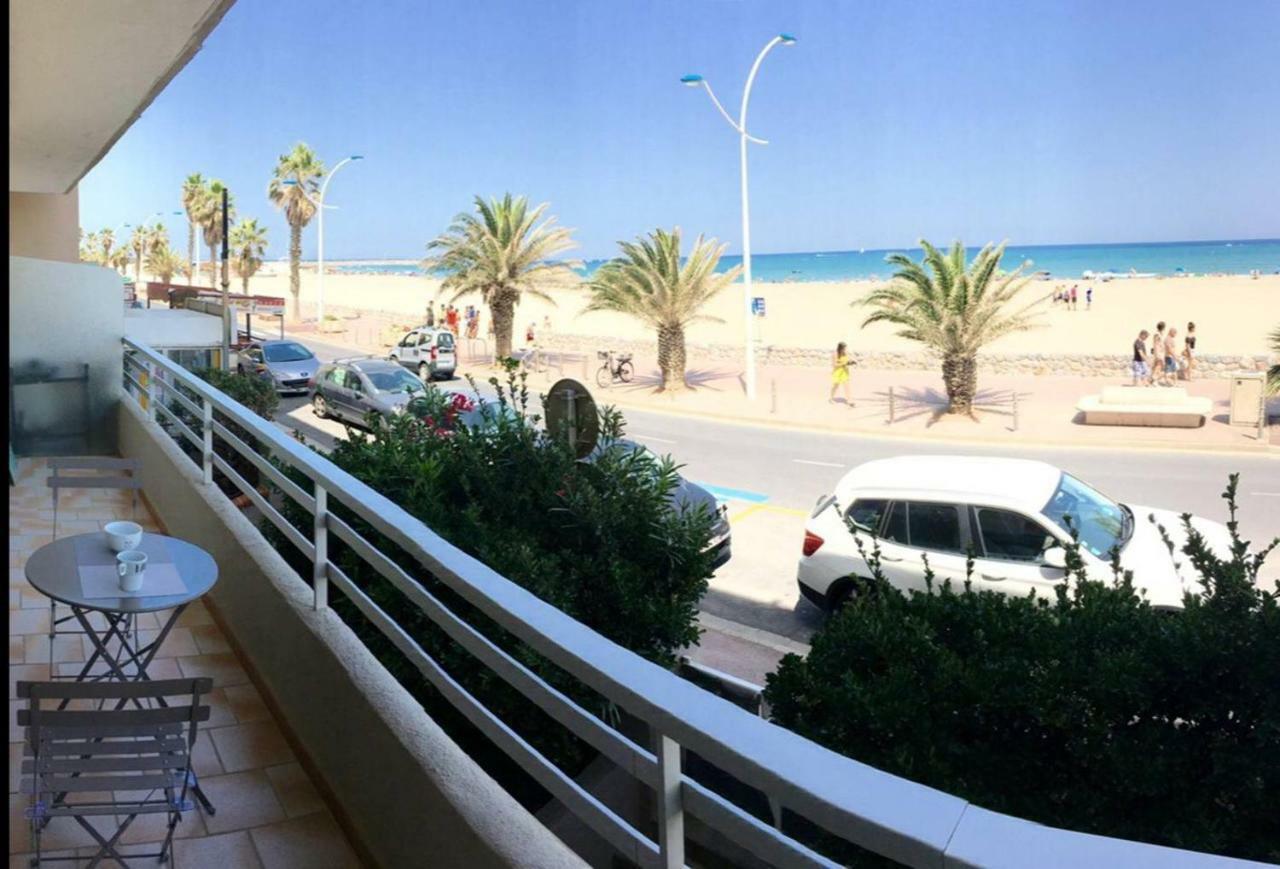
(122, 475)
(73, 756)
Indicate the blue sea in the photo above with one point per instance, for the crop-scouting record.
(1063, 261)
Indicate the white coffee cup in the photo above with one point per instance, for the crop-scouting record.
(123, 535)
(130, 566)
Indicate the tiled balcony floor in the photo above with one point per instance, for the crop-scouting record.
(268, 812)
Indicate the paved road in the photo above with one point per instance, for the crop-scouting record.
(771, 478)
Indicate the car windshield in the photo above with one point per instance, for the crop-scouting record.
(1099, 521)
(397, 381)
(288, 352)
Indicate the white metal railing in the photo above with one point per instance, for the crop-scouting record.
(885, 814)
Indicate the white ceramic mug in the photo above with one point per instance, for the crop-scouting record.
(130, 566)
(123, 535)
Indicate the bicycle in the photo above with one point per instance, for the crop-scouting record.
(609, 373)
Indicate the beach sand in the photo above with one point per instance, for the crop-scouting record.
(1233, 314)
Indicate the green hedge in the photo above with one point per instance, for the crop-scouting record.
(598, 541)
(1090, 711)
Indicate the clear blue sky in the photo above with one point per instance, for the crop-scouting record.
(1040, 122)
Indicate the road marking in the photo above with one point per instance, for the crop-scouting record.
(652, 438)
(821, 464)
(724, 493)
(755, 508)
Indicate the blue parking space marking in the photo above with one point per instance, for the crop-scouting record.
(724, 493)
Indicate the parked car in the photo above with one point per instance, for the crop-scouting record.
(688, 495)
(1014, 514)
(429, 352)
(349, 389)
(287, 364)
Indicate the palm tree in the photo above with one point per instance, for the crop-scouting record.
(138, 242)
(164, 262)
(208, 207)
(90, 247)
(248, 245)
(119, 260)
(953, 309)
(303, 167)
(649, 282)
(106, 241)
(501, 254)
(192, 190)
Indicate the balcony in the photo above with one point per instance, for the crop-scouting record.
(681, 776)
(270, 813)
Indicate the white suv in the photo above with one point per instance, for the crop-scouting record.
(429, 353)
(1013, 514)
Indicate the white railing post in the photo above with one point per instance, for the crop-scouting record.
(670, 807)
(151, 391)
(320, 532)
(206, 451)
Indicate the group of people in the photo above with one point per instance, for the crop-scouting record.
(1164, 360)
(1070, 299)
(450, 318)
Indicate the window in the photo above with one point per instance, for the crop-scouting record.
(1101, 523)
(337, 377)
(934, 526)
(409, 340)
(424, 339)
(896, 528)
(1010, 536)
(288, 351)
(444, 340)
(396, 381)
(253, 354)
(866, 514)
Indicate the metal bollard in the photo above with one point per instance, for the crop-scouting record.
(773, 395)
(1014, 393)
(890, 420)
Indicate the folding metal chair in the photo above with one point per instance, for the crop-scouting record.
(58, 482)
(80, 753)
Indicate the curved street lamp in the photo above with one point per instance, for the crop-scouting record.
(740, 126)
(320, 207)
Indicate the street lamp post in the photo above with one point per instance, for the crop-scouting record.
(743, 137)
(320, 207)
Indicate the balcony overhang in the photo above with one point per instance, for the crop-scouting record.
(81, 72)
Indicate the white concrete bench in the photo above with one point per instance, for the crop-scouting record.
(1145, 405)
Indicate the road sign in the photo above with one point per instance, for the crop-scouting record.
(757, 306)
(571, 412)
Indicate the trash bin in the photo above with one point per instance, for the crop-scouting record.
(1246, 398)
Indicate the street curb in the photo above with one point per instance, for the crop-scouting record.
(817, 428)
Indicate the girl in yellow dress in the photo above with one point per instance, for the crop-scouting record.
(840, 364)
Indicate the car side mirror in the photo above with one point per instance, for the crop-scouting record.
(1055, 557)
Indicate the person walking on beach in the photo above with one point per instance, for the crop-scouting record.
(1073, 297)
(1141, 371)
(473, 323)
(1189, 351)
(840, 364)
(431, 316)
(1157, 355)
(451, 317)
(1171, 365)
(1088, 298)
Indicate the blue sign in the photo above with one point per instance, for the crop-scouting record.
(757, 306)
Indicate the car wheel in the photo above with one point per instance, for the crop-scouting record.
(319, 406)
(424, 371)
(846, 590)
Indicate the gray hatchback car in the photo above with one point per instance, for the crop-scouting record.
(288, 365)
(349, 389)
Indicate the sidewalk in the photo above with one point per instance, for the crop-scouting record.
(796, 397)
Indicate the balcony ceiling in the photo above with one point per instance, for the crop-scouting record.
(81, 72)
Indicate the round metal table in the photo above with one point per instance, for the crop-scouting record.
(54, 570)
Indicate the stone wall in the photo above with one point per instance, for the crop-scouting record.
(1083, 365)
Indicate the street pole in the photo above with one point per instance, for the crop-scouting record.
(749, 374)
(320, 206)
(226, 287)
